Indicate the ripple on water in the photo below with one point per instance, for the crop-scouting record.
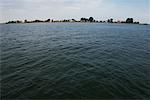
(89, 61)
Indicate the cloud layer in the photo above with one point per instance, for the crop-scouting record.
(58, 9)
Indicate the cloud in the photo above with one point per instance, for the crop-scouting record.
(58, 9)
(20, 4)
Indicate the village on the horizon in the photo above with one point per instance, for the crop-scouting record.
(82, 20)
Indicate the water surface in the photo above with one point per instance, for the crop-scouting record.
(75, 60)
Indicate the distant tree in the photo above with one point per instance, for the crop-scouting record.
(84, 20)
(12, 22)
(110, 20)
(73, 20)
(37, 21)
(136, 22)
(18, 21)
(129, 20)
(48, 20)
(25, 21)
(91, 19)
(81, 19)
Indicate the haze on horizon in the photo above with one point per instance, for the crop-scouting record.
(66, 9)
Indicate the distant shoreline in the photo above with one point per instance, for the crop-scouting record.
(82, 20)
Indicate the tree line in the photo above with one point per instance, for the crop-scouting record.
(90, 19)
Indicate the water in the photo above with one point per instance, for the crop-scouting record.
(75, 60)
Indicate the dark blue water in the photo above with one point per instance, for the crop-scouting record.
(75, 61)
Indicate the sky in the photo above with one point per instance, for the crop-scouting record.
(68, 9)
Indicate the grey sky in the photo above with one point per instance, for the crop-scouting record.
(59, 9)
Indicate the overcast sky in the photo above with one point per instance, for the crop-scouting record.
(64, 9)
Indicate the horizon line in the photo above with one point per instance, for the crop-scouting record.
(75, 20)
